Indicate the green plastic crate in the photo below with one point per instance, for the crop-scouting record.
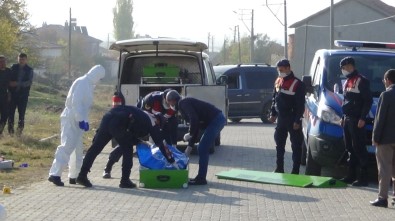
(163, 178)
(161, 70)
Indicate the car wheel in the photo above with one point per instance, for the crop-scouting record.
(266, 113)
(218, 140)
(304, 154)
(235, 120)
(312, 167)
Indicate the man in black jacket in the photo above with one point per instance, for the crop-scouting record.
(21, 81)
(126, 124)
(384, 140)
(287, 108)
(5, 76)
(200, 115)
(356, 106)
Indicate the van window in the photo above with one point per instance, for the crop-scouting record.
(184, 67)
(261, 80)
(234, 81)
(372, 67)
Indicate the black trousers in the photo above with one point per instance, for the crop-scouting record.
(355, 143)
(285, 126)
(17, 101)
(3, 111)
(102, 137)
(169, 132)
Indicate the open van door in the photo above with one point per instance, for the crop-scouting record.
(214, 94)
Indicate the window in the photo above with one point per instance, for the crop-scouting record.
(372, 67)
(234, 81)
(262, 79)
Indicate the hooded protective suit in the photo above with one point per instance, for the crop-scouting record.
(77, 107)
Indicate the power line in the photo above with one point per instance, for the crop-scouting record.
(348, 25)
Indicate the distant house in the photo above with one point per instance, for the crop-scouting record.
(362, 20)
(54, 33)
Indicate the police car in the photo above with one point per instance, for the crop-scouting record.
(323, 134)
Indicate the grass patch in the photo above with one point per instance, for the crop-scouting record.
(42, 120)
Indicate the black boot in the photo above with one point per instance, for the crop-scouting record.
(280, 166)
(11, 128)
(351, 176)
(295, 169)
(83, 179)
(20, 127)
(127, 184)
(107, 170)
(56, 180)
(362, 178)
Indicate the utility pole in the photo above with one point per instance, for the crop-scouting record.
(72, 21)
(285, 31)
(331, 25)
(208, 42)
(285, 26)
(252, 38)
(212, 43)
(238, 38)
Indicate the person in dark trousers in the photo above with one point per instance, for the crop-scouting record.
(356, 106)
(200, 115)
(384, 140)
(155, 103)
(126, 124)
(288, 105)
(21, 81)
(5, 76)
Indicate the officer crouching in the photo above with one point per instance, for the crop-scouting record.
(288, 108)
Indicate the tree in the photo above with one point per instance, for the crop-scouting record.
(123, 20)
(13, 20)
(264, 50)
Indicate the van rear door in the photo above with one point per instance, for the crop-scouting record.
(213, 94)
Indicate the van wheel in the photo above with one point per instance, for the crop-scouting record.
(312, 167)
(235, 120)
(266, 113)
(304, 154)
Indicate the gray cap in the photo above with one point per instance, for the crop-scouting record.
(173, 95)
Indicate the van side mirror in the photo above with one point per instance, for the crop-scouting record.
(222, 80)
(307, 82)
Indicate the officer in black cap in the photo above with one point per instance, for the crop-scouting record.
(126, 124)
(356, 106)
(287, 108)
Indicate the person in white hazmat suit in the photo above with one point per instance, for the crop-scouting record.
(74, 121)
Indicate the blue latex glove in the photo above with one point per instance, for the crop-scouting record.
(86, 128)
(81, 124)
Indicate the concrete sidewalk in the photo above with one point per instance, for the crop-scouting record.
(247, 145)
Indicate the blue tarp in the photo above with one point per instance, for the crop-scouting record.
(152, 158)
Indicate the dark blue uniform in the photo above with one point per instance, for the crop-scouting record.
(154, 102)
(19, 95)
(288, 105)
(356, 106)
(205, 116)
(126, 124)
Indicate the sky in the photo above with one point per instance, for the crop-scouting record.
(187, 19)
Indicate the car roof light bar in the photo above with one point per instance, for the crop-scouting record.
(364, 44)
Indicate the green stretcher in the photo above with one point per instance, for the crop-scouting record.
(281, 178)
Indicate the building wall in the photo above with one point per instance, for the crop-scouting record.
(348, 13)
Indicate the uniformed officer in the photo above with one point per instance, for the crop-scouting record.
(356, 106)
(287, 108)
(155, 103)
(126, 124)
